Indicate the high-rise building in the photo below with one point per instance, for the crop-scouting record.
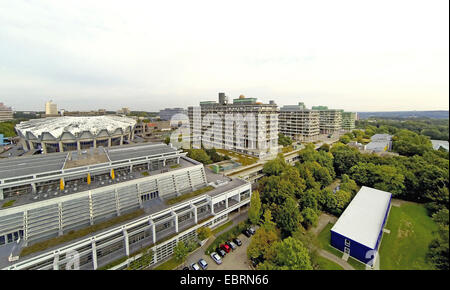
(51, 108)
(299, 123)
(330, 120)
(6, 113)
(348, 120)
(259, 138)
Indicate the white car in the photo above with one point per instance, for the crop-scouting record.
(216, 258)
(194, 266)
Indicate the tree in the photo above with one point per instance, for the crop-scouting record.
(288, 217)
(254, 213)
(325, 147)
(284, 140)
(275, 166)
(290, 254)
(203, 233)
(310, 217)
(344, 139)
(261, 242)
(438, 250)
(167, 140)
(344, 158)
(199, 155)
(180, 252)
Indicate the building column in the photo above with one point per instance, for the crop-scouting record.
(44, 147)
(121, 139)
(176, 221)
(109, 142)
(94, 254)
(153, 232)
(212, 207)
(95, 143)
(78, 145)
(60, 144)
(195, 213)
(226, 202)
(127, 244)
(55, 261)
(1, 194)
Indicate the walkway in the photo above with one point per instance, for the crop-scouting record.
(324, 219)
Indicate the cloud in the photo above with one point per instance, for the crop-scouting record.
(150, 55)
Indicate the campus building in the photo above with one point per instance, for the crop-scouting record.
(330, 120)
(66, 195)
(62, 134)
(379, 143)
(359, 229)
(348, 120)
(299, 123)
(259, 139)
(51, 109)
(6, 113)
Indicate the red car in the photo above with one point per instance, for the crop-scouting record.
(225, 247)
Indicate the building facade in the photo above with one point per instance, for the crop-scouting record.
(330, 121)
(348, 120)
(102, 192)
(299, 123)
(6, 113)
(63, 134)
(214, 124)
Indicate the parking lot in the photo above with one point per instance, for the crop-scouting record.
(234, 260)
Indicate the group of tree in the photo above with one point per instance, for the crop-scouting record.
(7, 128)
(207, 156)
(284, 140)
(356, 135)
(434, 128)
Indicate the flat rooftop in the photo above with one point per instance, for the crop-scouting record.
(39, 164)
(363, 218)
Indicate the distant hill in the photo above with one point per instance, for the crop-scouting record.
(405, 114)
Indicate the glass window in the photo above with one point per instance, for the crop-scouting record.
(2, 240)
(10, 238)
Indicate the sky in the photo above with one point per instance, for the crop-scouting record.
(149, 55)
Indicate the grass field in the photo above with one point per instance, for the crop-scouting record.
(325, 264)
(324, 241)
(407, 244)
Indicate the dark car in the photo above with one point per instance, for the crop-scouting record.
(231, 245)
(221, 252)
(237, 242)
(247, 233)
(186, 268)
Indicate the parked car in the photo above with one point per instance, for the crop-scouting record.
(231, 245)
(203, 264)
(221, 252)
(194, 266)
(216, 258)
(237, 242)
(225, 247)
(246, 233)
(251, 230)
(186, 268)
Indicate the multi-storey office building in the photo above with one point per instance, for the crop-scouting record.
(103, 191)
(299, 123)
(348, 120)
(51, 109)
(61, 134)
(6, 113)
(330, 121)
(222, 131)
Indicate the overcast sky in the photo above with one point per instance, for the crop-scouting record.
(352, 55)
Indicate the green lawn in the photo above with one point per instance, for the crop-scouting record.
(407, 244)
(325, 264)
(324, 238)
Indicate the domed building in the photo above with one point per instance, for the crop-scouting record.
(62, 134)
